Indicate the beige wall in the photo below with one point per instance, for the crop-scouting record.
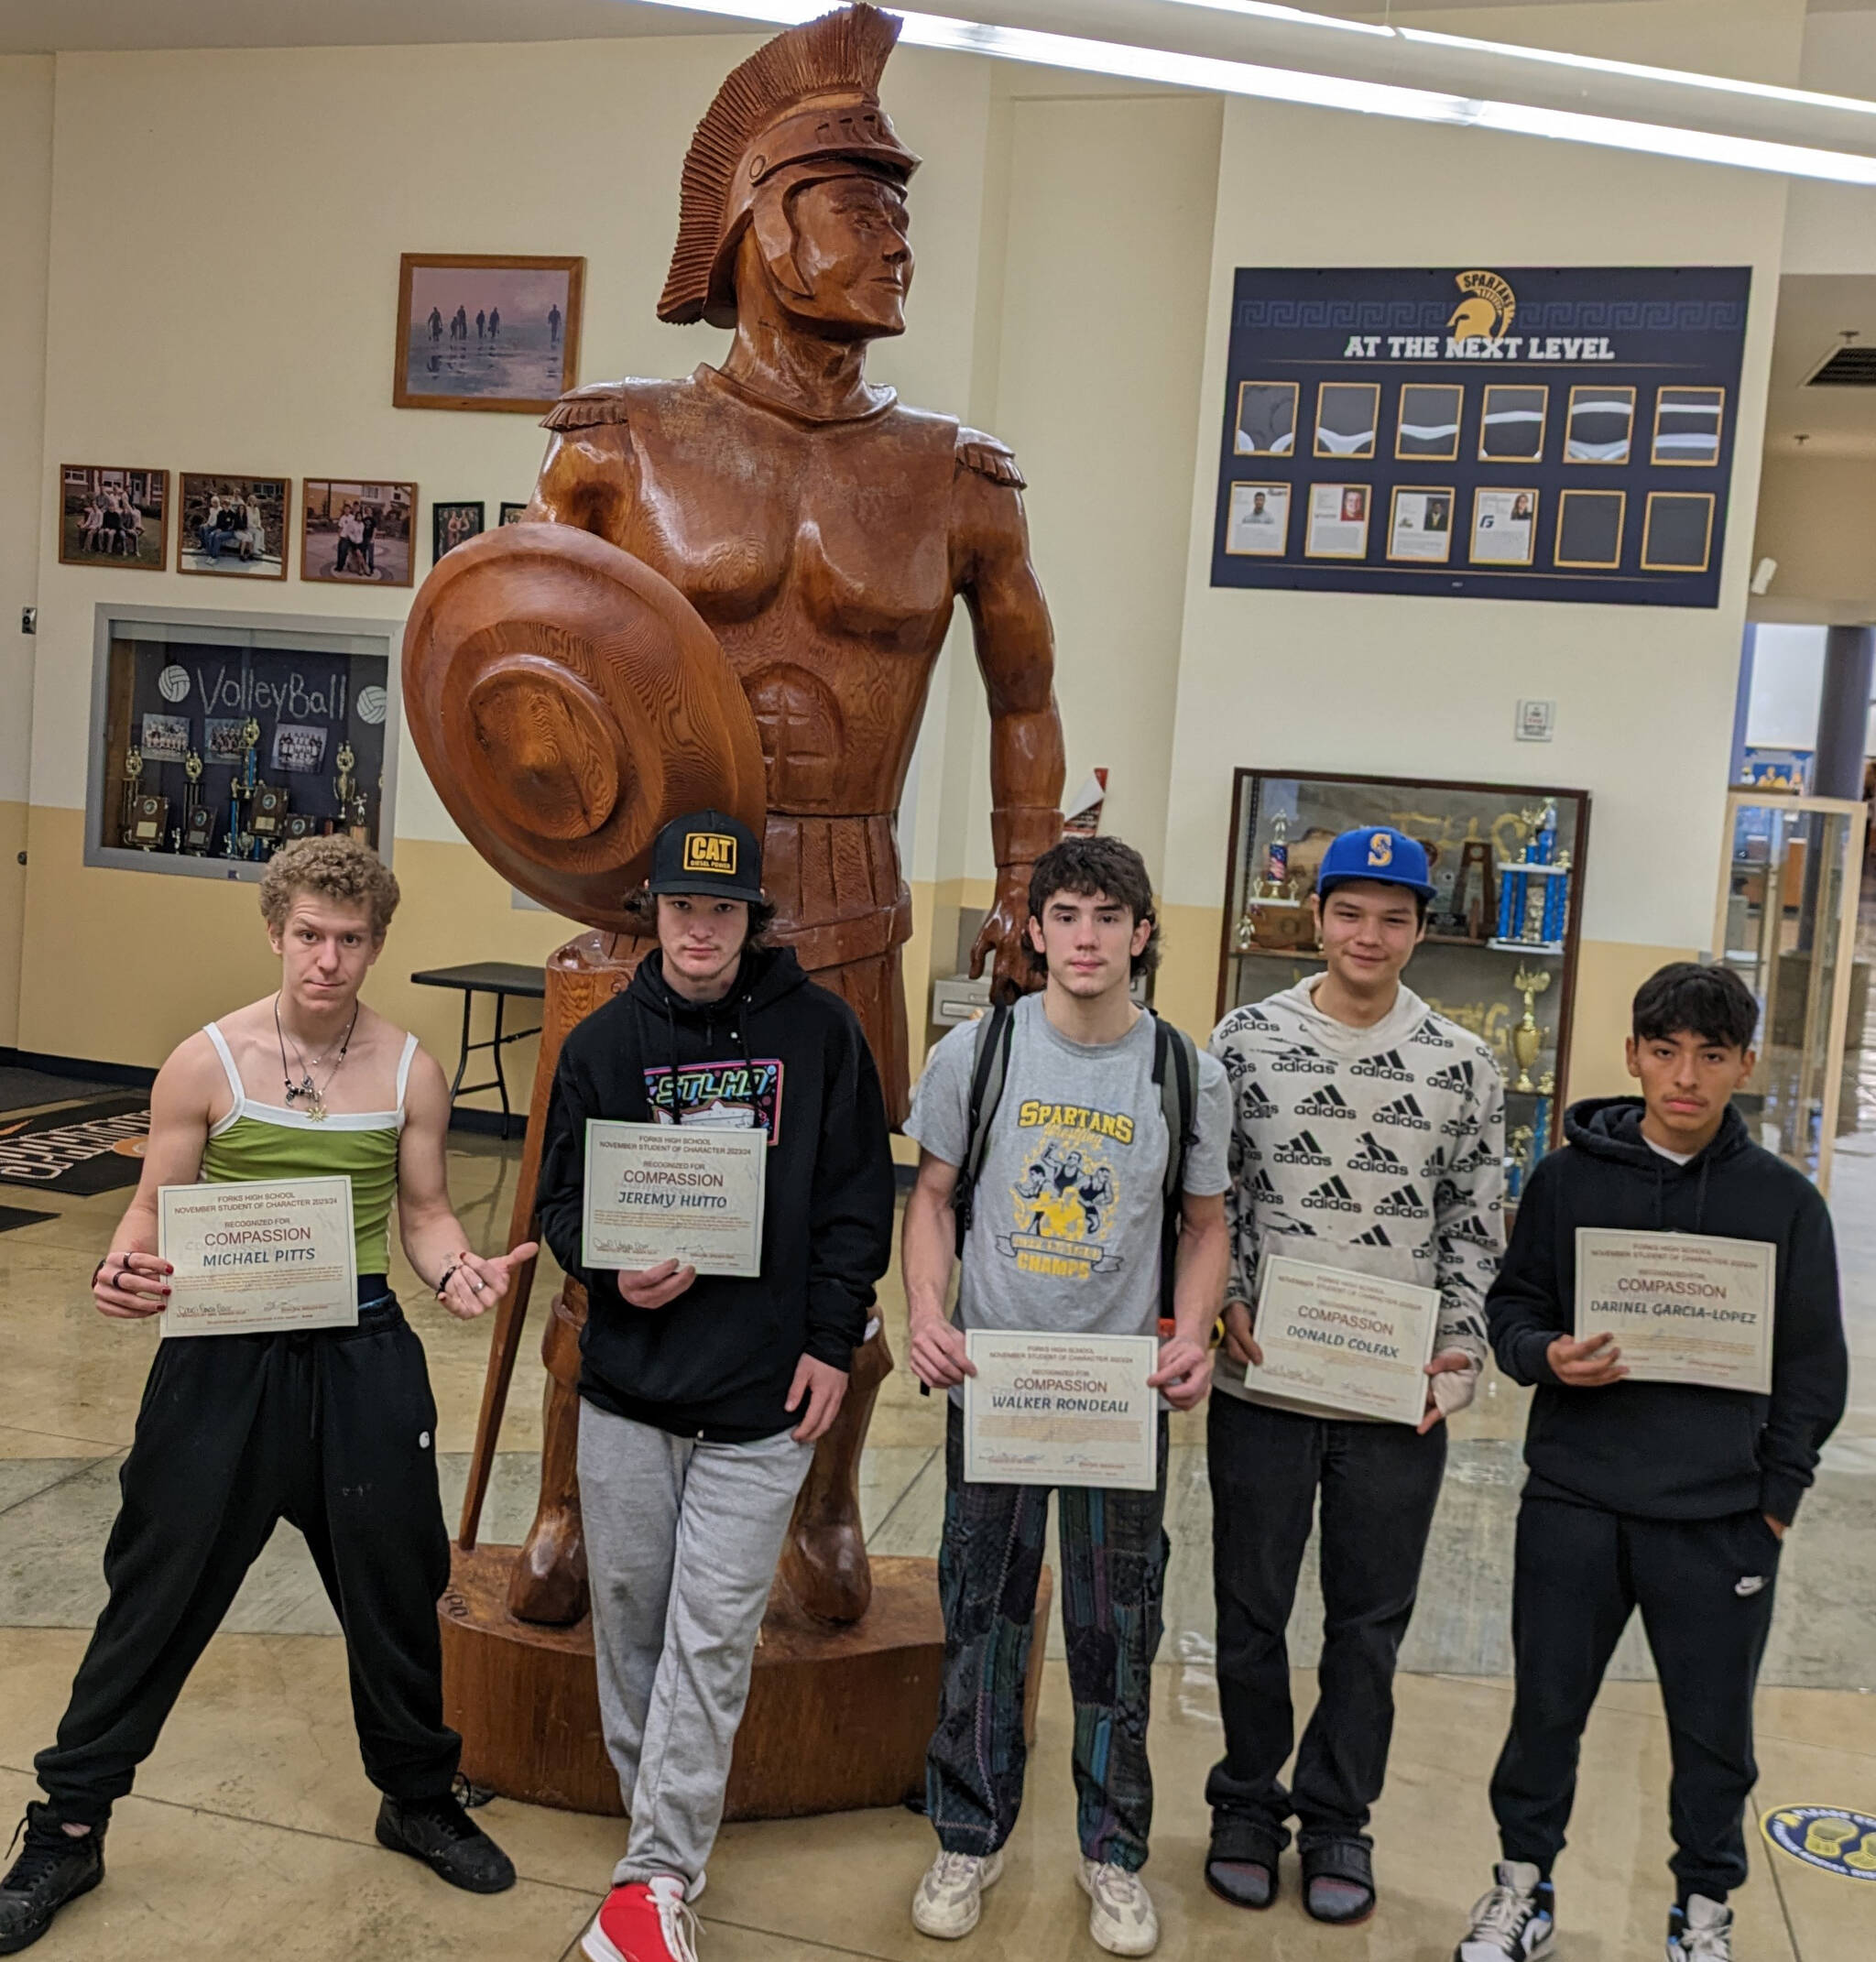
(1075, 244)
(26, 194)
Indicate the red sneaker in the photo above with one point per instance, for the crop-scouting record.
(646, 1921)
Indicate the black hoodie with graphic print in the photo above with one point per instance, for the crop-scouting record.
(717, 1362)
(1671, 1451)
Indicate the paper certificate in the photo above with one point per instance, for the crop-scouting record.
(1681, 1307)
(674, 1192)
(1339, 1341)
(1060, 1410)
(256, 1255)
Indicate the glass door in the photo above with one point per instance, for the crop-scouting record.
(1786, 927)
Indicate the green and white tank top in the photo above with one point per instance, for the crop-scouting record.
(257, 1141)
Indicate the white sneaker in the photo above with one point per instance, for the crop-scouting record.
(1516, 1922)
(1703, 1932)
(947, 1901)
(1120, 1910)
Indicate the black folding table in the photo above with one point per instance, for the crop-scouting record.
(502, 979)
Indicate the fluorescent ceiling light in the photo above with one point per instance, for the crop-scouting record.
(1322, 92)
(1295, 16)
(1637, 70)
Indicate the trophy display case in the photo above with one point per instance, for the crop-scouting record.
(218, 737)
(1502, 929)
(1787, 927)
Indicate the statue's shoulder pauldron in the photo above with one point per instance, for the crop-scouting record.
(589, 407)
(988, 458)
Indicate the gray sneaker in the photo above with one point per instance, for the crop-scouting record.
(948, 1900)
(1701, 1931)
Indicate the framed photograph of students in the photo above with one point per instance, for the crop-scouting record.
(486, 330)
(357, 533)
(1348, 419)
(1266, 424)
(512, 514)
(453, 524)
(236, 527)
(113, 515)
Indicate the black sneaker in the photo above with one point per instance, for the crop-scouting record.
(53, 1866)
(1516, 1922)
(448, 1841)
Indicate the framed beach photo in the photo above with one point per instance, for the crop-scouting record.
(357, 533)
(453, 524)
(232, 526)
(485, 330)
(110, 515)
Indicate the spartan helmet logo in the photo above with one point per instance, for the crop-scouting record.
(1488, 309)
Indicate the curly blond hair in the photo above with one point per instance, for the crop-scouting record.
(337, 867)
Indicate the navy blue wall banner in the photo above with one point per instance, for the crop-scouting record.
(1554, 433)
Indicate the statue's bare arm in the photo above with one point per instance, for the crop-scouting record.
(1015, 652)
(588, 479)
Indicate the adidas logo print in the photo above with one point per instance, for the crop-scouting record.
(1403, 1203)
(1374, 1236)
(1263, 1192)
(1332, 1196)
(1253, 1105)
(1387, 1067)
(1464, 1125)
(1327, 1101)
(1404, 1112)
(1473, 1230)
(1303, 1058)
(1456, 1076)
(1428, 1036)
(1302, 1150)
(1371, 1155)
(1435, 1163)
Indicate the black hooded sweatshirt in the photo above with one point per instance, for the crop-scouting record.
(1671, 1451)
(718, 1361)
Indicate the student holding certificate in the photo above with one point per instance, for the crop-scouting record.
(1368, 1146)
(329, 1426)
(1650, 1485)
(701, 1394)
(1084, 1215)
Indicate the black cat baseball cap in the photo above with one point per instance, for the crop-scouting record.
(708, 852)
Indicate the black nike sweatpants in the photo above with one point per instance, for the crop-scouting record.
(1704, 1589)
(333, 1430)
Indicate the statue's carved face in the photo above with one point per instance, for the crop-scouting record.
(852, 256)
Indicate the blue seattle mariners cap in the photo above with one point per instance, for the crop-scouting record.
(1375, 852)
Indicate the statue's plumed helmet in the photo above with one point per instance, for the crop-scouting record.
(807, 100)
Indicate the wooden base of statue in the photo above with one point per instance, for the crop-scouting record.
(844, 1655)
(864, 1697)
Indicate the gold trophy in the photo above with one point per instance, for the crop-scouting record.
(133, 777)
(1527, 1038)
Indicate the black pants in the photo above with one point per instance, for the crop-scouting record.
(1380, 1483)
(333, 1430)
(1704, 1589)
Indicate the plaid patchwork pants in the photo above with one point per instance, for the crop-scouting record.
(1112, 1585)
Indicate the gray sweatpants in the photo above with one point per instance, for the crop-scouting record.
(681, 1541)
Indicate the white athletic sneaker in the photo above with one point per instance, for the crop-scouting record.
(1516, 1922)
(947, 1901)
(1120, 1910)
(1702, 1932)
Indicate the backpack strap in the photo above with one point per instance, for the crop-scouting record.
(1175, 1071)
(989, 1066)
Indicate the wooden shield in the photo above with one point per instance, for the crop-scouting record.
(568, 701)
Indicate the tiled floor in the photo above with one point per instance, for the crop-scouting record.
(250, 1830)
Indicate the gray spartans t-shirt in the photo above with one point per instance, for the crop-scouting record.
(1065, 1227)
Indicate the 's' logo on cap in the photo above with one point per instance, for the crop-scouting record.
(1380, 849)
(710, 851)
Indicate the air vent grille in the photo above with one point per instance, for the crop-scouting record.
(1848, 367)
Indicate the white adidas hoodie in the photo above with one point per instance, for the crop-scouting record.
(1378, 1149)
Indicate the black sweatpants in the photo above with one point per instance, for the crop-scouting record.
(333, 1430)
(1380, 1483)
(1704, 1589)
